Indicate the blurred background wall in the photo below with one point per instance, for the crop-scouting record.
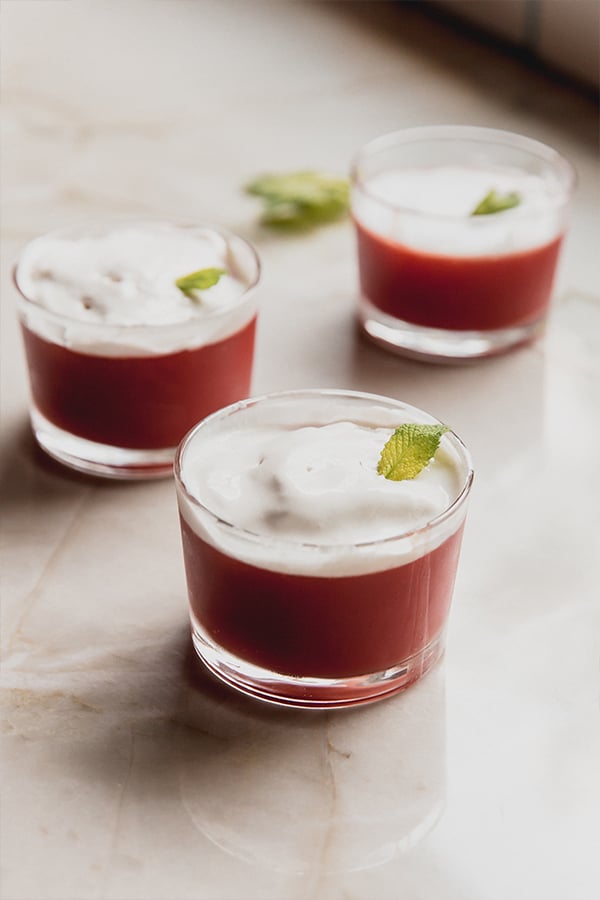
(562, 34)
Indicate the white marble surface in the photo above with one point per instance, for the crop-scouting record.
(127, 774)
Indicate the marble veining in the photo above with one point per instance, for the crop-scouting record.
(129, 773)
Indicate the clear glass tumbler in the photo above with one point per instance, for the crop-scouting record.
(115, 398)
(438, 280)
(312, 622)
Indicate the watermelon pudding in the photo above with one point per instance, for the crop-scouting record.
(133, 332)
(458, 234)
(313, 579)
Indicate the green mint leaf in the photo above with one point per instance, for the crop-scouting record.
(199, 281)
(299, 200)
(495, 202)
(409, 450)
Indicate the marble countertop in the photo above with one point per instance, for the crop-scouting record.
(130, 775)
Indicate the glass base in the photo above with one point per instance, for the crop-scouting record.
(100, 459)
(440, 344)
(313, 693)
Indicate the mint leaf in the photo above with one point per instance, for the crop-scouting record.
(300, 200)
(199, 281)
(409, 450)
(495, 202)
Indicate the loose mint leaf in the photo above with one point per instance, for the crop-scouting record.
(301, 199)
(199, 281)
(495, 202)
(409, 450)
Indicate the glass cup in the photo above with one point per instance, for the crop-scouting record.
(437, 281)
(312, 623)
(116, 399)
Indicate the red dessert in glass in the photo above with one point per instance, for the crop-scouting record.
(437, 291)
(137, 402)
(123, 362)
(316, 622)
(458, 234)
(316, 627)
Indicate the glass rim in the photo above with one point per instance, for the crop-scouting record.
(274, 540)
(456, 133)
(208, 315)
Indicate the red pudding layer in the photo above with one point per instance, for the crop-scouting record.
(312, 626)
(475, 293)
(137, 402)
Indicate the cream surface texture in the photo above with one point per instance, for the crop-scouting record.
(315, 484)
(113, 291)
(429, 209)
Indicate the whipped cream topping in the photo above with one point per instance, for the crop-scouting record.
(430, 209)
(112, 290)
(126, 276)
(315, 484)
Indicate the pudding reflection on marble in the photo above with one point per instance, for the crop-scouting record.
(300, 792)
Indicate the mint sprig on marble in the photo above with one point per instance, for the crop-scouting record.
(300, 200)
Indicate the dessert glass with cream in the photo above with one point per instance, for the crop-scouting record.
(123, 362)
(438, 279)
(312, 580)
